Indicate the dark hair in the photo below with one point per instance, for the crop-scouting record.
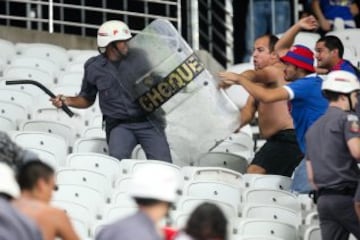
(333, 42)
(332, 96)
(272, 41)
(147, 201)
(31, 172)
(207, 221)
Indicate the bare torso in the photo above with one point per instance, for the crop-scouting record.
(52, 222)
(274, 117)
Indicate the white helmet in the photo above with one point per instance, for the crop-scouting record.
(8, 184)
(155, 182)
(341, 81)
(111, 31)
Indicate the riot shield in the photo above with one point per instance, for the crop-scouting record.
(170, 77)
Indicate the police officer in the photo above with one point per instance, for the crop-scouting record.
(333, 151)
(154, 189)
(110, 74)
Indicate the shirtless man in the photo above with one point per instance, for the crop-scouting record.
(280, 154)
(37, 181)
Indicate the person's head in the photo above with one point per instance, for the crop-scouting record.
(8, 185)
(342, 87)
(264, 51)
(37, 179)
(112, 37)
(299, 61)
(155, 187)
(207, 221)
(10, 152)
(329, 50)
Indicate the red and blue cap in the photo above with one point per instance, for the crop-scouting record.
(301, 57)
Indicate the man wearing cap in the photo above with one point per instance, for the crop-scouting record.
(154, 189)
(13, 224)
(332, 156)
(304, 92)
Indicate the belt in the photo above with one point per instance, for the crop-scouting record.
(350, 191)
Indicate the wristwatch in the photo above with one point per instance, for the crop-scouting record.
(62, 98)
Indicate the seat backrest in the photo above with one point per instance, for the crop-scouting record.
(91, 144)
(191, 173)
(49, 126)
(101, 163)
(36, 62)
(13, 111)
(271, 196)
(43, 143)
(312, 232)
(272, 212)
(264, 227)
(53, 53)
(7, 124)
(85, 196)
(223, 159)
(267, 181)
(70, 78)
(186, 204)
(29, 73)
(85, 177)
(129, 166)
(213, 190)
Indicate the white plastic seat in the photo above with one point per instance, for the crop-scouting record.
(223, 159)
(7, 49)
(312, 232)
(64, 130)
(85, 177)
(271, 212)
(312, 218)
(77, 55)
(93, 132)
(349, 38)
(92, 144)
(271, 196)
(115, 212)
(17, 96)
(267, 181)
(216, 190)
(70, 78)
(212, 173)
(74, 210)
(85, 196)
(44, 144)
(263, 227)
(129, 166)
(35, 62)
(51, 52)
(7, 124)
(187, 204)
(239, 143)
(100, 163)
(28, 73)
(13, 111)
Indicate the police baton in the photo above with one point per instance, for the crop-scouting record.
(45, 89)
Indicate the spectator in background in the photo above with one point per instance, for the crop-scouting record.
(37, 182)
(206, 222)
(332, 155)
(13, 224)
(281, 153)
(334, 14)
(263, 17)
(154, 189)
(304, 94)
